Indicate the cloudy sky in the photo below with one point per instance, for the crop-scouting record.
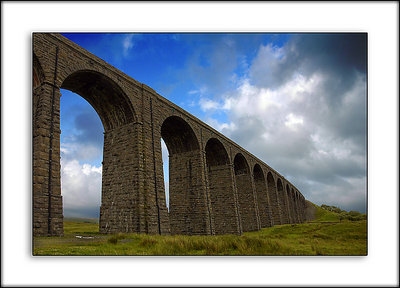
(296, 101)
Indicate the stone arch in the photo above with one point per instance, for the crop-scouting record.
(119, 121)
(178, 136)
(244, 188)
(188, 208)
(262, 196)
(118, 117)
(274, 201)
(221, 189)
(106, 97)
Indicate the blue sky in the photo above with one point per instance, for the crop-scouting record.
(296, 101)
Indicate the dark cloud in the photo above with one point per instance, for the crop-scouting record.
(337, 55)
(325, 155)
(86, 212)
(90, 129)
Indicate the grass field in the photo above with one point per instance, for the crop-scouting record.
(341, 238)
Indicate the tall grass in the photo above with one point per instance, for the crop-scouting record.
(346, 238)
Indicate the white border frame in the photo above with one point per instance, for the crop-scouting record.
(379, 20)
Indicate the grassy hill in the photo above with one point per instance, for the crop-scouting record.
(325, 235)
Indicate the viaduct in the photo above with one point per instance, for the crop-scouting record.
(216, 187)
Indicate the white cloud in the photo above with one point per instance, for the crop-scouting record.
(208, 104)
(221, 127)
(80, 186)
(76, 150)
(293, 121)
(127, 43)
(300, 130)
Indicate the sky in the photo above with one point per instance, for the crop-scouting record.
(296, 101)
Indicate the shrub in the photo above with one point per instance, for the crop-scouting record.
(114, 239)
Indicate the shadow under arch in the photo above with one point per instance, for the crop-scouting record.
(188, 213)
(247, 209)
(273, 197)
(221, 189)
(262, 196)
(106, 97)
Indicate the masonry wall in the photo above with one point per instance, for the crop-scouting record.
(223, 200)
(274, 201)
(283, 204)
(263, 203)
(188, 209)
(204, 199)
(246, 203)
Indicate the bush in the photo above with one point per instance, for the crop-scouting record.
(114, 239)
(343, 215)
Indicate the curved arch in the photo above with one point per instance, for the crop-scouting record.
(106, 97)
(178, 135)
(220, 183)
(274, 201)
(216, 154)
(258, 173)
(247, 209)
(241, 165)
(262, 196)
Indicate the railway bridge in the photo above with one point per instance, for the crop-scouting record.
(216, 186)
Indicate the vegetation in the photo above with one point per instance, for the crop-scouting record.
(329, 238)
(339, 214)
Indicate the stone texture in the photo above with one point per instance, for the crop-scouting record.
(214, 185)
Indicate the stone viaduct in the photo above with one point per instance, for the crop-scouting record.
(216, 187)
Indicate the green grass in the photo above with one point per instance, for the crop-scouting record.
(322, 215)
(82, 220)
(345, 238)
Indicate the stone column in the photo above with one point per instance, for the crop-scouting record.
(47, 200)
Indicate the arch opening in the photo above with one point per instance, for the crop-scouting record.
(216, 154)
(106, 97)
(165, 161)
(220, 183)
(81, 151)
(244, 186)
(262, 196)
(187, 206)
(119, 157)
(241, 166)
(178, 136)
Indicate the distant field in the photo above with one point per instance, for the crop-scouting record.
(82, 220)
(341, 238)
